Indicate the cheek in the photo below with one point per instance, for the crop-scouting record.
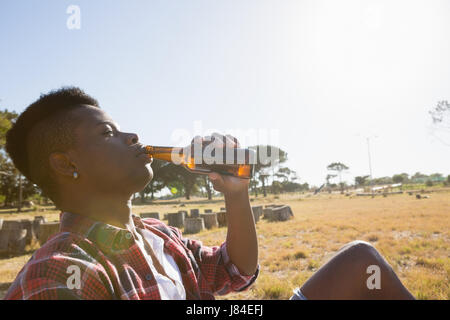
(103, 164)
(110, 166)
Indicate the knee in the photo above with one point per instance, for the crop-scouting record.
(362, 251)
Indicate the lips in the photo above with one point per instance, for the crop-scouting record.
(142, 152)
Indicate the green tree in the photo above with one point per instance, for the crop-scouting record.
(206, 183)
(6, 120)
(263, 177)
(419, 178)
(361, 181)
(338, 167)
(173, 175)
(398, 178)
(441, 120)
(9, 175)
(286, 174)
(329, 177)
(267, 159)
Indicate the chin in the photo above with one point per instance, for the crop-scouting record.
(144, 177)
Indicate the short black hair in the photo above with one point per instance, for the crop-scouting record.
(47, 125)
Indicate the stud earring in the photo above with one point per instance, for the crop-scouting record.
(75, 175)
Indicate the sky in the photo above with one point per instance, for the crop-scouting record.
(316, 78)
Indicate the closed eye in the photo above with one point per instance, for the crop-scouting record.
(109, 132)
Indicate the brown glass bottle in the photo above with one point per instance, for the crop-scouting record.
(233, 161)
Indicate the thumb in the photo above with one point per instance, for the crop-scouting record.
(214, 176)
(216, 179)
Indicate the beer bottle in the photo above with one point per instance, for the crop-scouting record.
(236, 162)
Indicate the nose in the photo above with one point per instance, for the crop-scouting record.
(132, 138)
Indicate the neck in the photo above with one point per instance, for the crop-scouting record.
(114, 210)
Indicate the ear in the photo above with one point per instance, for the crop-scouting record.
(61, 164)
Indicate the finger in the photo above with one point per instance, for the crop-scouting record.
(233, 141)
(216, 180)
(196, 139)
(214, 176)
(196, 143)
(219, 140)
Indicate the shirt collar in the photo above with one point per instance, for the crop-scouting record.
(107, 237)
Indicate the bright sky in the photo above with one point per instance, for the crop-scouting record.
(321, 75)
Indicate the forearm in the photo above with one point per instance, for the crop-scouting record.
(242, 242)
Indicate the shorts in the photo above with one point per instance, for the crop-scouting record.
(298, 295)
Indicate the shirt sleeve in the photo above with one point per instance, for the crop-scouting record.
(217, 272)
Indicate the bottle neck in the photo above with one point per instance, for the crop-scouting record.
(170, 154)
(180, 155)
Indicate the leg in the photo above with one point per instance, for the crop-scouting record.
(345, 276)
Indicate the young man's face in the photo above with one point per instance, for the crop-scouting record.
(108, 160)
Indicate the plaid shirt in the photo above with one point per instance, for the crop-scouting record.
(113, 267)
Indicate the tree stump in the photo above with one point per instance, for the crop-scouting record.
(12, 224)
(184, 212)
(176, 219)
(193, 225)
(154, 215)
(4, 240)
(16, 236)
(195, 213)
(28, 225)
(210, 220)
(222, 218)
(46, 230)
(257, 212)
(17, 241)
(283, 213)
(38, 220)
(267, 213)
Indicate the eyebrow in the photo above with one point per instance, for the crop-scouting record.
(114, 125)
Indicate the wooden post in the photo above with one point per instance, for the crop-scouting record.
(195, 213)
(222, 218)
(257, 212)
(19, 206)
(154, 215)
(28, 225)
(16, 237)
(210, 220)
(176, 219)
(46, 230)
(283, 213)
(193, 225)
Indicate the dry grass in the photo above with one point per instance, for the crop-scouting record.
(413, 235)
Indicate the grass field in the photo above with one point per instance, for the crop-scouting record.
(412, 234)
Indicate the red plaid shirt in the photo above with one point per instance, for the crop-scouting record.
(113, 267)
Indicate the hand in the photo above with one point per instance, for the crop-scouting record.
(228, 185)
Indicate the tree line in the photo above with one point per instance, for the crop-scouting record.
(181, 183)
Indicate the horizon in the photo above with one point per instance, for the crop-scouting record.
(318, 76)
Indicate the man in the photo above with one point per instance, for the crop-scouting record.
(78, 156)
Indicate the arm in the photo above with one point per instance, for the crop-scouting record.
(242, 243)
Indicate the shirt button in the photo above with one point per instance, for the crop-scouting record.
(148, 276)
(128, 235)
